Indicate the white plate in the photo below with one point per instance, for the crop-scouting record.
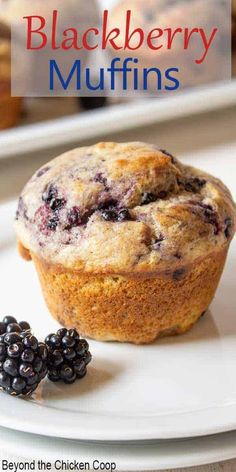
(179, 387)
(160, 455)
(91, 125)
(142, 457)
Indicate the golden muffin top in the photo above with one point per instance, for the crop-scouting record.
(123, 208)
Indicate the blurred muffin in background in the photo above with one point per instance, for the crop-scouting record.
(166, 14)
(234, 7)
(10, 107)
(31, 69)
(234, 23)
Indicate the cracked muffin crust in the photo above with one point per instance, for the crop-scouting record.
(122, 208)
(104, 221)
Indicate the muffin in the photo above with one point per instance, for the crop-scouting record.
(234, 24)
(234, 7)
(10, 107)
(31, 69)
(166, 14)
(129, 244)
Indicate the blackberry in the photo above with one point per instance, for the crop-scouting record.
(68, 356)
(23, 362)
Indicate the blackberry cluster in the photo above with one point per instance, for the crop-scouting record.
(68, 356)
(23, 360)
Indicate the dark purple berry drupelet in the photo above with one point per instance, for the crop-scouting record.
(23, 360)
(68, 356)
(9, 324)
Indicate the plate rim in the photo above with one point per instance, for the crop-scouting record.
(223, 419)
(156, 456)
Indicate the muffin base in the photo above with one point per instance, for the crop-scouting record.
(130, 308)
